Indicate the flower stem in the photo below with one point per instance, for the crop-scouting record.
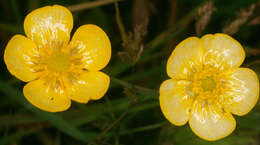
(131, 86)
(88, 5)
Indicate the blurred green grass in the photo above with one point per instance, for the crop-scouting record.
(129, 113)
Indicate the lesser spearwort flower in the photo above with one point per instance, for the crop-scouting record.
(206, 86)
(59, 70)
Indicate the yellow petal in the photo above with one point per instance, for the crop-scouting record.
(18, 57)
(210, 121)
(185, 57)
(49, 24)
(222, 51)
(94, 45)
(89, 86)
(242, 91)
(175, 101)
(45, 97)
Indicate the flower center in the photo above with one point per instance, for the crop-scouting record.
(208, 84)
(58, 62)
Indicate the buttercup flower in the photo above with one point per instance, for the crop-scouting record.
(207, 86)
(59, 70)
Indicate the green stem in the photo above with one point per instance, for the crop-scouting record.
(131, 86)
(88, 5)
(143, 128)
(120, 24)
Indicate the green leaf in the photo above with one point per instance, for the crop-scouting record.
(53, 118)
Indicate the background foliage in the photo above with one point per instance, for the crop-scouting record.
(143, 34)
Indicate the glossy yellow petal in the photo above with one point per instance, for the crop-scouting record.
(222, 51)
(210, 122)
(175, 101)
(49, 24)
(89, 86)
(45, 97)
(18, 57)
(94, 45)
(241, 91)
(185, 58)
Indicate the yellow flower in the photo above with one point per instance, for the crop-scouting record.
(59, 70)
(207, 85)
